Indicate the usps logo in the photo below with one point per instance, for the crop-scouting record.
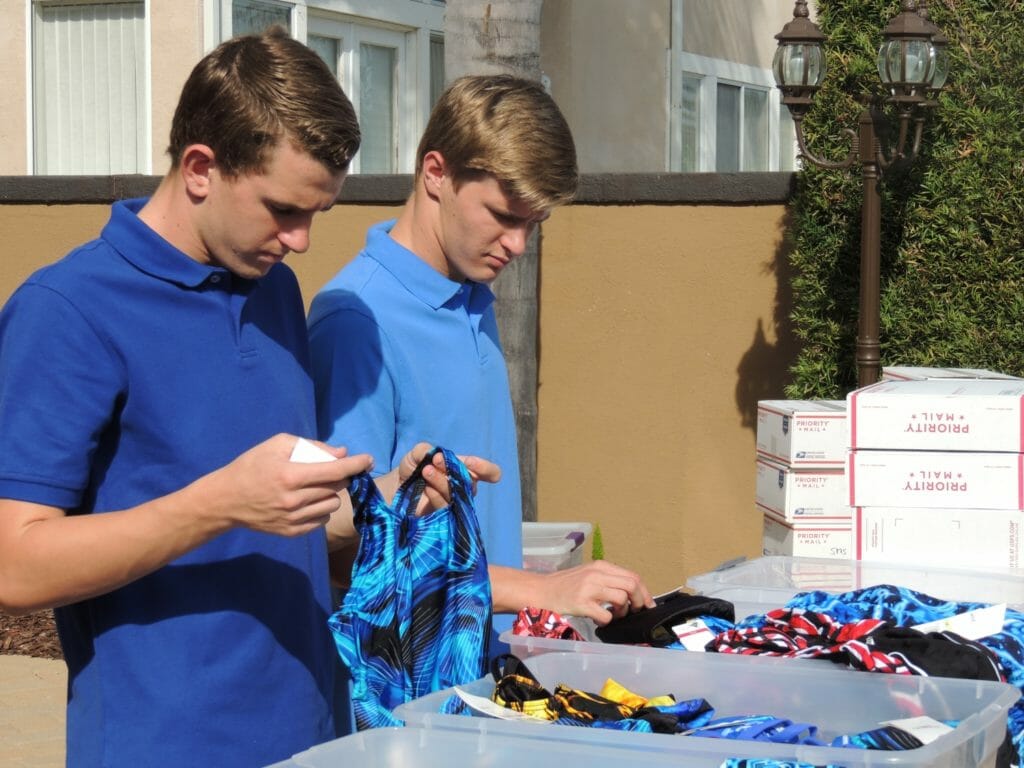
(785, 425)
(801, 454)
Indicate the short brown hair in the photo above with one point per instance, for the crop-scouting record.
(510, 128)
(251, 91)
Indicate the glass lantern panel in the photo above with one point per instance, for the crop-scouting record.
(798, 64)
(778, 66)
(918, 61)
(940, 71)
(890, 62)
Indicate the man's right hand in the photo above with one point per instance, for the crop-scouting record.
(276, 495)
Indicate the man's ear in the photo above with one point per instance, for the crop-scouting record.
(197, 162)
(433, 172)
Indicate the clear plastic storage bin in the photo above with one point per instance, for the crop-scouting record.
(446, 748)
(554, 546)
(757, 586)
(836, 700)
(765, 583)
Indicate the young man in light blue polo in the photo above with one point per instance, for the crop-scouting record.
(404, 340)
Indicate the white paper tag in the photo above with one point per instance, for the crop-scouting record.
(693, 634)
(489, 708)
(924, 728)
(305, 452)
(972, 625)
(674, 590)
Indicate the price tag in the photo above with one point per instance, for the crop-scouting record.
(487, 707)
(971, 625)
(305, 452)
(693, 634)
(924, 728)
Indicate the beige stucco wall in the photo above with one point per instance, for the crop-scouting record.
(737, 30)
(607, 64)
(13, 112)
(658, 334)
(38, 234)
(176, 44)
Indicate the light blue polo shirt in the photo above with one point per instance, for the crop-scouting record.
(401, 354)
(128, 370)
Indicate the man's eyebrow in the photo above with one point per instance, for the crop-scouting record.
(295, 208)
(535, 218)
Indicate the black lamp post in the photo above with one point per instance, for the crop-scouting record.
(912, 64)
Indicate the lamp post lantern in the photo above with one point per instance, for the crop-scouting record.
(912, 64)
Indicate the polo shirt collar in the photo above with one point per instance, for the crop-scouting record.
(419, 278)
(149, 252)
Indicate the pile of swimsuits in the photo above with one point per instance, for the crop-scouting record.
(870, 629)
(616, 707)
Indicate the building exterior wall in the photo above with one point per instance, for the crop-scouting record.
(176, 44)
(608, 62)
(13, 74)
(658, 334)
(737, 30)
(661, 325)
(608, 68)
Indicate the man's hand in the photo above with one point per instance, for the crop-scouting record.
(437, 493)
(599, 590)
(273, 494)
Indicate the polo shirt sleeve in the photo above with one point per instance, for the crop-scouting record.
(59, 385)
(355, 394)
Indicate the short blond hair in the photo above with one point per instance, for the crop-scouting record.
(508, 127)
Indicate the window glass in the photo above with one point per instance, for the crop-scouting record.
(253, 16)
(755, 130)
(727, 129)
(89, 89)
(328, 48)
(376, 108)
(436, 68)
(690, 124)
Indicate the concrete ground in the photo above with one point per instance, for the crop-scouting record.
(32, 699)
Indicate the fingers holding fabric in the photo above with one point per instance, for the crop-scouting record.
(599, 590)
(437, 492)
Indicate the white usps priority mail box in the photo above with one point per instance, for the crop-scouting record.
(803, 540)
(957, 538)
(802, 433)
(921, 373)
(938, 415)
(936, 479)
(795, 494)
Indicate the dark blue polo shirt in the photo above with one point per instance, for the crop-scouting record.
(128, 370)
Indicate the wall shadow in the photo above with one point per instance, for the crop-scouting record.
(764, 369)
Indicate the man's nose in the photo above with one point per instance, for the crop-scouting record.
(514, 240)
(296, 237)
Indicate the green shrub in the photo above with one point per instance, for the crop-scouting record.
(952, 266)
(597, 544)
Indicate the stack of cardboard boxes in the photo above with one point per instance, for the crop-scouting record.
(925, 467)
(936, 471)
(801, 488)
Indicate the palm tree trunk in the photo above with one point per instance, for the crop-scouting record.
(503, 37)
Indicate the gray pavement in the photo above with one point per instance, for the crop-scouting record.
(32, 699)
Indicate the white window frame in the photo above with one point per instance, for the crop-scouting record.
(415, 20)
(710, 71)
(145, 126)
